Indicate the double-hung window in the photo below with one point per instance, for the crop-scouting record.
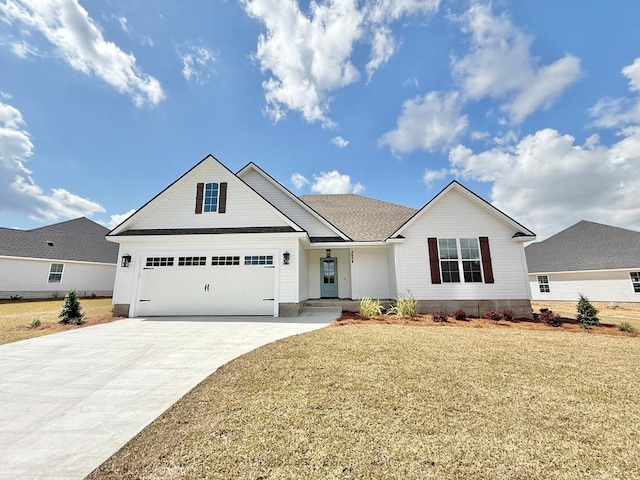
(460, 255)
(635, 280)
(55, 273)
(543, 284)
(211, 191)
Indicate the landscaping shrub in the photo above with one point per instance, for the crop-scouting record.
(404, 307)
(369, 307)
(15, 297)
(71, 311)
(459, 314)
(625, 327)
(507, 314)
(586, 313)
(35, 323)
(548, 317)
(439, 316)
(492, 315)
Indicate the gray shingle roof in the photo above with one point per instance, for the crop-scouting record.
(361, 218)
(80, 240)
(585, 246)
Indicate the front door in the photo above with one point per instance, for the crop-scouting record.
(328, 278)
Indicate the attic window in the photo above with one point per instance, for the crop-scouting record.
(50, 243)
(211, 197)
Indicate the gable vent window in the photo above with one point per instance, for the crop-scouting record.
(55, 273)
(635, 280)
(159, 262)
(191, 261)
(211, 197)
(258, 260)
(225, 261)
(460, 260)
(543, 284)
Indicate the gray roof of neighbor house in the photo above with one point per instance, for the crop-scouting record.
(361, 218)
(585, 246)
(81, 240)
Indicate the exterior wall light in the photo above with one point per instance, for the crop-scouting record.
(285, 258)
(328, 253)
(126, 260)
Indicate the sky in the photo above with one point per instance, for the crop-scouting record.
(533, 105)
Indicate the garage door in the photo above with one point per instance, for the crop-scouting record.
(206, 285)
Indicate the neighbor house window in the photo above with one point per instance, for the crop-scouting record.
(460, 255)
(55, 273)
(635, 280)
(211, 197)
(543, 284)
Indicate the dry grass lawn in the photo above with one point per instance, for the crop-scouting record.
(15, 317)
(376, 401)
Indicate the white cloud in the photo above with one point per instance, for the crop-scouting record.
(198, 63)
(632, 72)
(123, 24)
(389, 10)
(5, 95)
(428, 123)
(20, 193)
(23, 49)
(547, 182)
(618, 112)
(339, 142)
(500, 65)
(383, 46)
(298, 180)
(335, 182)
(479, 135)
(79, 41)
(117, 219)
(431, 176)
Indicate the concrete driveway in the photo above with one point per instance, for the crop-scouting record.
(69, 401)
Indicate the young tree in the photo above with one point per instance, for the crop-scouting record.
(587, 313)
(71, 311)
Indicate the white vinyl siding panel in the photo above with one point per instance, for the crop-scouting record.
(286, 205)
(455, 216)
(391, 265)
(175, 207)
(602, 286)
(303, 273)
(370, 273)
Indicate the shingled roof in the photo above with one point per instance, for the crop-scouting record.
(80, 240)
(585, 246)
(361, 218)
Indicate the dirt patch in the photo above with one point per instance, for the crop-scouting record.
(567, 324)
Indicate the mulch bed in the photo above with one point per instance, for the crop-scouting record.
(62, 327)
(567, 324)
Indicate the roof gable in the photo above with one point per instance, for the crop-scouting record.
(80, 240)
(174, 207)
(521, 232)
(305, 216)
(585, 246)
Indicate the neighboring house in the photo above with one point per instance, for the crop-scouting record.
(49, 261)
(214, 242)
(599, 261)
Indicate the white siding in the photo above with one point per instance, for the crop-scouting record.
(286, 205)
(303, 273)
(286, 288)
(604, 286)
(344, 271)
(455, 216)
(370, 273)
(391, 262)
(175, 207)
(31, 275)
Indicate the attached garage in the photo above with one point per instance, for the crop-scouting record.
(213, 284)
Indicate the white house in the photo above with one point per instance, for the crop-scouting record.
(596, 260)
(52, 260)
(214, 242)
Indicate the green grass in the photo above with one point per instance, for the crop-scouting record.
(381, 401)
(15, 316)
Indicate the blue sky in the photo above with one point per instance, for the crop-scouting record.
(535, 106)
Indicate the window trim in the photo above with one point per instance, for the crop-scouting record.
(217, 197)
(635, 283)
(61, 272)
(542, 283)
(460, 261)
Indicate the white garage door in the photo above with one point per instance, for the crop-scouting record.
(206, 285)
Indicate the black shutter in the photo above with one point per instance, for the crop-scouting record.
(222, 200)
(487, 268)
(199, 197)
(434, 260)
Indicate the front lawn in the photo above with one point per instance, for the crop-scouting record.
(383, 401)
(16, 315)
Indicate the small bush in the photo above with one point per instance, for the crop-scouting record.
(492, 315)
(586, 313)
(404, 307)
(15, 297)
(439, 316)
(55, 294)
(35, 323)
(71, 311)
(459, 314)
(549, 317)
(369, 307)
(625, 327)
(507, 314)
